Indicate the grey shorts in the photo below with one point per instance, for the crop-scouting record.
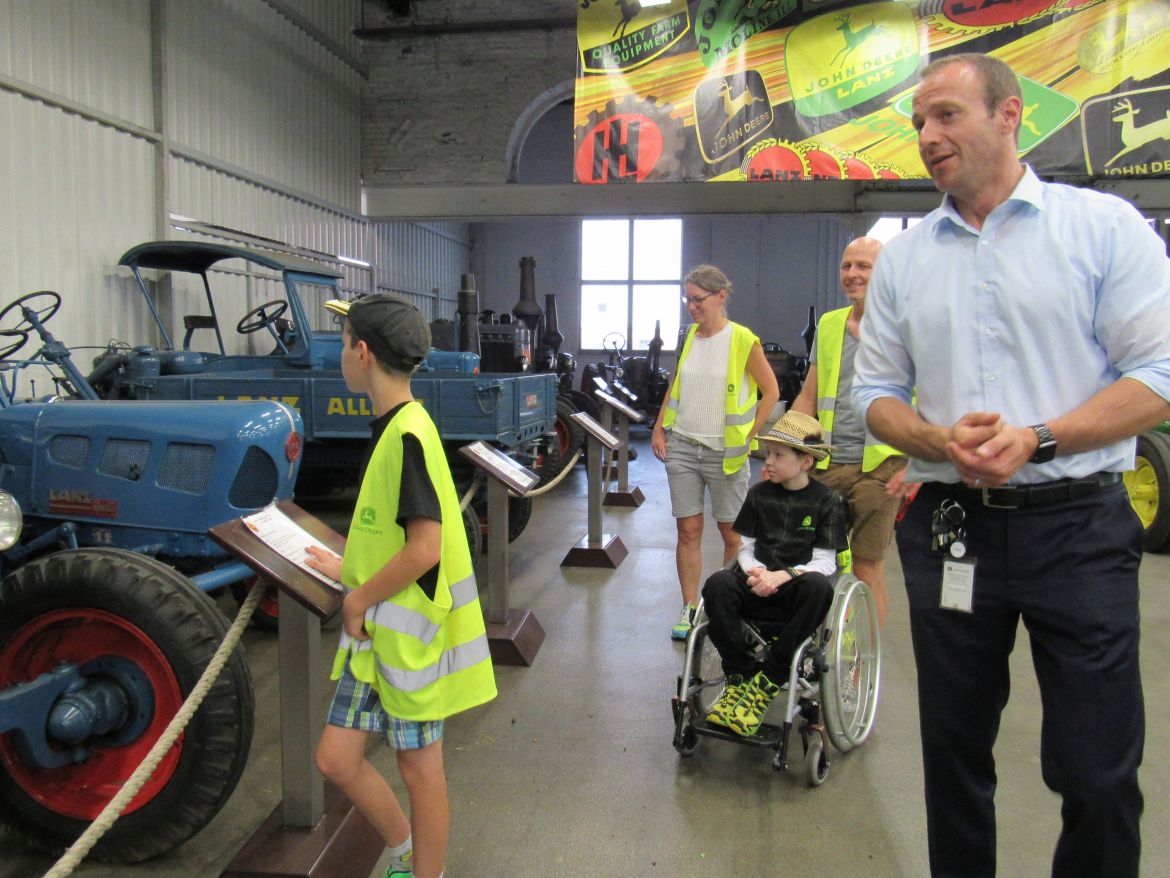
(692, 469)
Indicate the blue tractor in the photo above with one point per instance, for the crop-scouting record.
(105, 618)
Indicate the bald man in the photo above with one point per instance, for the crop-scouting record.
(859, 468)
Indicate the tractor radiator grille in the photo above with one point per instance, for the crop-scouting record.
(69, 450)
(255, 483)
(124, 458)
(187, 467)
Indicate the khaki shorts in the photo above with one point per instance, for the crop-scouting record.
(692, 470)
(871, 510)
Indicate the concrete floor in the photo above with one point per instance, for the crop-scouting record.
(570, 771)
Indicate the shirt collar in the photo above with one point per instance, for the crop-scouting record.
(1030, 190)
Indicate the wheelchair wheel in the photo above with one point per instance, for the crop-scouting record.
(816, 762)
(853, 654)
(710, 671)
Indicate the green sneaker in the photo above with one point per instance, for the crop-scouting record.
(733, 689)
(749, 713)
(686, 621)
(401, 867)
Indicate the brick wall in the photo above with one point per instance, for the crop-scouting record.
(441, 108)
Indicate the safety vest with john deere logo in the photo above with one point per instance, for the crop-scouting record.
(739, 400)
(830, 342)
(427, 658)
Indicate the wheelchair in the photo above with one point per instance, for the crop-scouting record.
(831, 695)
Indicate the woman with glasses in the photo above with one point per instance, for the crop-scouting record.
(722, 392)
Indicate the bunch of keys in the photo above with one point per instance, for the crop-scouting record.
(946, 529)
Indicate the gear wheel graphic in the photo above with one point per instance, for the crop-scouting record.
(668, 165)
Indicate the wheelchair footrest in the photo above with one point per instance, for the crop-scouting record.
(768, 736)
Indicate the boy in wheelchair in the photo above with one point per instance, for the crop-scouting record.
(792, 528)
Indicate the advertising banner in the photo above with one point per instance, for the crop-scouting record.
(768, 90)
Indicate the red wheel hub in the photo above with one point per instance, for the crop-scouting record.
(77, 636)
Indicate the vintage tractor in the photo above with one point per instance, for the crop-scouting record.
(105, 620)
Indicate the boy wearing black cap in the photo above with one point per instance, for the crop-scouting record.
(792, 528)
(413, 648)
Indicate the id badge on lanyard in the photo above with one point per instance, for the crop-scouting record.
(958, 571)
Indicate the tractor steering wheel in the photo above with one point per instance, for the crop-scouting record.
(42, 311)
(7, 349)
(264, 315)
(619, 342)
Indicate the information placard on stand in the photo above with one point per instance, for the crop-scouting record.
(315, 831)
(514, 634)
(596, 549)
(615, 409)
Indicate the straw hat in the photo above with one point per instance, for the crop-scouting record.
(800, 431)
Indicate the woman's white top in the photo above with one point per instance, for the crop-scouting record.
(702, 389)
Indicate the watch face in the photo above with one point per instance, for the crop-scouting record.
(1046, 450)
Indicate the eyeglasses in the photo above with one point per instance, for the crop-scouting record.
(698, 300)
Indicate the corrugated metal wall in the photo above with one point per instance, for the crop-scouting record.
(125, 120)
(423, 262)
(260, 127)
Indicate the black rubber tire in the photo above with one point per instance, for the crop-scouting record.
(173, 616)
(519, 513)
(1149, 489)
(586, 403)
(816, 761)
(570, 439)
(471, 528)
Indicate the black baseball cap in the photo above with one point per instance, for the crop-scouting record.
(392, 328)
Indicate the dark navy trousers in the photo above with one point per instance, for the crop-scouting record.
(1070, 571)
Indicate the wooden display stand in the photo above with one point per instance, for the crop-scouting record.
(596, 549)
(315, 831)
(613, 408)
(514, 635)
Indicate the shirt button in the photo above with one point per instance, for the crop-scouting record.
(990, 378)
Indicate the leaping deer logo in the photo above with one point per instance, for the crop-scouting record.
(732, 105)
(629, 12)
(854, 38)
(1134, 136)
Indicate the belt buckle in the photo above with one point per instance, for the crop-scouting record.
(985, 494)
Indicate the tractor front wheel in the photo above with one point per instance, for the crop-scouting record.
(100, 608)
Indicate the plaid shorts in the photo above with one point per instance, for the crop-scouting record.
(356, 706)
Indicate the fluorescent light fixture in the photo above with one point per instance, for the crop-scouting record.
(646, 3)
(178, 217)
(348, 261)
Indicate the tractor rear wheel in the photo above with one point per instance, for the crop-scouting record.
(93, 607)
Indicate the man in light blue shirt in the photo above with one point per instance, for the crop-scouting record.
(1031, 320)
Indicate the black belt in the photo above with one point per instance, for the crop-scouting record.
(1025, 496)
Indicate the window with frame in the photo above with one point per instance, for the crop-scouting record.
(631, 281)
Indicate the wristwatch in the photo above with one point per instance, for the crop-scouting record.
(1046, 450)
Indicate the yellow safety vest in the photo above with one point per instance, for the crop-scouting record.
(739, 407)
(830, 342)
(427, 659)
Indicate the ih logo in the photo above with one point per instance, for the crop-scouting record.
(731, 112)
(1129, 133)
(621, 148)
(835, 62)
(1046, 111)
(368, 516)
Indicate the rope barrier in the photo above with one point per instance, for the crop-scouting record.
(72, 858)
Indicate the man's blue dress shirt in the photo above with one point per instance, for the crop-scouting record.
(1062, 292)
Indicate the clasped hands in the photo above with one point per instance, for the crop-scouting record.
(764, 582)
(987, 451)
